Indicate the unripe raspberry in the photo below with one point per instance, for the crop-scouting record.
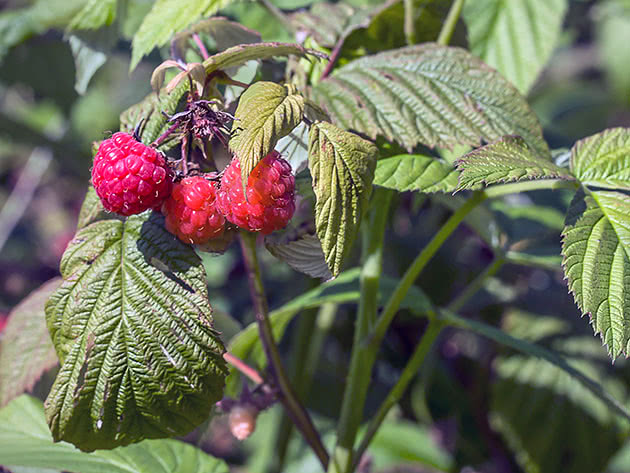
(242, 420)
(270, 191)
(191, 211)
(130, 177)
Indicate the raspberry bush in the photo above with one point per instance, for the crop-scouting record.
(393, 155)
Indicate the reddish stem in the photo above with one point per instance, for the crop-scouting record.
(243, 367)
(201, 46)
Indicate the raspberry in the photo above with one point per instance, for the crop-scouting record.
(191, 211)
(242, 420)
(129, 177)
(270, 191)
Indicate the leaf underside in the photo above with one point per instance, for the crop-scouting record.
(429, 94)
(506, 160)
(132, 326)
(342, 166)
(595, 249)
(415, 173)
(304, 254)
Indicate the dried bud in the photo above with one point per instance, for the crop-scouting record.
(242, 420)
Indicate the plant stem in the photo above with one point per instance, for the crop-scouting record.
(409, 372)
(525, 186)
(410, 24)
(418, 265)
(451, 21)
(476, 284)
(363, 356)
(201, 46)
(243, 367)
(334, 55)
(293, 407)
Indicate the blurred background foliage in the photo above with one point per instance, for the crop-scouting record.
(475, 406)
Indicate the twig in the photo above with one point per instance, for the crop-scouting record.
(23, 192)
(334, 55)
(243, 367)
(293, 407)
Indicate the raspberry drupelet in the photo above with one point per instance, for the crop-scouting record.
(270, 191)
(191, 211)
(130, 177)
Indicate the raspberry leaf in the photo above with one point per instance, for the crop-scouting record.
(429, 94)
(415, 173)
(506, 160)
(266, 112)
(94, 14)
(342, 166)
(596, 250)
(26, 351)
(26, 441)
(517, 38)
(303, 253)
(132, 326)
(603, 160)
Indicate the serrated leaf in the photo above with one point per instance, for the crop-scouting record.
(132, 326)
(266, 112)
(325, 22)
(166, 18)
(603, 160)
(92, 210)
(294, 148)
(342, 166)
(595, 247)
(94, 14)
(415, 173)
(516, 37)
(429, 94)
(508, 160)
(26, 441)
(304, 254)
(26, 351)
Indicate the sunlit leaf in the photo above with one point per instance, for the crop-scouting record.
(415, 173)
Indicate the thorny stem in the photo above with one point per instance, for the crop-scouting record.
(449, 24)
(293, 407)
(243, 367)
(411, 369)
(201, 46)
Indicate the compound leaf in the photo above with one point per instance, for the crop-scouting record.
(507, 160)
(26, 351)
(132, 326)
(603, 160)
(596, 249)
(342, 166)
(415, 173)
(26, 441)
(429, 94)
(515, 37)
(266, 112)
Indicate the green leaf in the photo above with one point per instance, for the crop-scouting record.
(603, 160)
(342, 166)
(92, 210)
(595, 247)
(26, 351)
(303, 253)
(415, 173)
(325, 22)
(132, 326)
(87, 61)
(429, 94)
(613, 42)
(516, 37)
(166, 18)
(266, 112)
(507, 160)
(94, 14)
(26, 441)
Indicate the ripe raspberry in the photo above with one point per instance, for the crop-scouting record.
(191, 211)
(270, 191)
(130, 177)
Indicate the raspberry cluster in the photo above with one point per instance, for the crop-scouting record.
(270, 191)
(130, 177)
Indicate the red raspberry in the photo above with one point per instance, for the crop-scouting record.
(270, 191)
(130, 177)
(191, 211)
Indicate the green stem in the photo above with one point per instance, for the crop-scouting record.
(476, 284)
(362, 357)
(417, 266)
(451, 21)
(410, 24)
(409, 372)
(526, 186)
(293, 407)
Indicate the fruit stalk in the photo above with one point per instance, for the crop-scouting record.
(294, 408)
